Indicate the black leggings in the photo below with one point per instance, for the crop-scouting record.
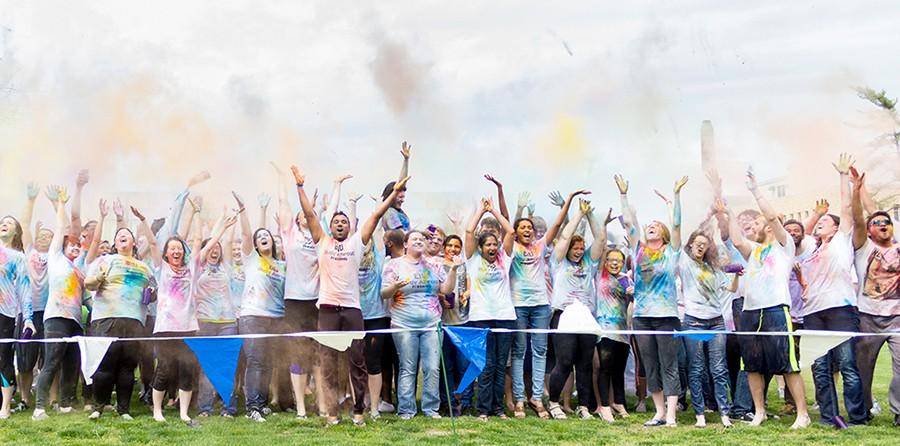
(175, 362)
(613, 359)
(61, 357)
(376, 357)
(7, 368)
(117, 368)
(572, 350)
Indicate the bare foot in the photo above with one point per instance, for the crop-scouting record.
(159, 418)
(758, 419)
(606, 414)
(701, 421)
(801, 422)
(726, 421)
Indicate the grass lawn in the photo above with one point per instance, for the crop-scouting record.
(283, 429)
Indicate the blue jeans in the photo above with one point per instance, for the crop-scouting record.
(492, 381)
(418, 348)
(530, 317)
(838, 319)
(703, 354)
(455, 365)
(259, 363)
(207, 394)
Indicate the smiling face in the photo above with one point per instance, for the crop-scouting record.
(796, 232)
(490, 248)
(174, 252)
(435, 244)
(124, 242)
(8, 229)
(452, 248)
(72, 249)
(656, 231)
(87, 234)
(103, 248)
(401, 198)
(415, 244)
(340, 227)
(881, 229)
(576, 251)
(525, 232)
(215, 254)
(698, 247)
(615, 261)
(263, 242)
(42, 241)
(825, 228)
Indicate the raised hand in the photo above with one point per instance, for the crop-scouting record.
(719, 206)
(579, 192)
(556, 199)
(405, 149)
(118, 209)
(609, 217)
(33, 190)
(715, 181)
(845, 161)
(679, 184)
(278, 169)
(263, 199)
(854, 174)
(82, 179)
(489, 204)
(230, 220)
(584, 206)
(524, 197)
(822, 206)
(104, 209)
(298, 177)
(492, 180)
(238, 200)
(751, 180)
(530, 209)
(455, 218)
(664, 198)
(57, 194)
(196, 203)
(199, 178)
(342, 178)
(400, 185)
(137, 213)
(621, 184)
(353, 198)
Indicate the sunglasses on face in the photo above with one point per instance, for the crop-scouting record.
(881, 222)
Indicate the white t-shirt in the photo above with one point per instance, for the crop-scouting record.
(767, 275)
(878, 270)
(490, 296)
(528, 275)
(339, 270)
(175, 307)
(302, 279)
(263, 286)
(703, 288)
(827, 271)
(573, 281)
(66, 288)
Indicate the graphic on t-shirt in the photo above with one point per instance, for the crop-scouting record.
(883, 274)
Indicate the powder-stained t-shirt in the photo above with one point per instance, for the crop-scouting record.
(490, 293)
(236, 283)
(263, 286)
(528, 274)
(878, 270)
(65, 288)
(212, 292)
(612, 303)
(395, 219)
(302, 281)
(370, 278)
(655, 294)
(416, 305)
(175, 307)
(15, 286)
(573, 281)
(37, 275)
(339, 270)
(767, 276)
(120, 294)
(703, 288)
(828, 275)
(458, 314)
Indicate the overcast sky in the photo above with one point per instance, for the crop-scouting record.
(544, 97)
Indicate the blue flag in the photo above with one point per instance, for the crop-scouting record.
(699, 335)
(218, 357)
(472, 342)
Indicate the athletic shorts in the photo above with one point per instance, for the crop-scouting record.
(773, 355)
(29, 355)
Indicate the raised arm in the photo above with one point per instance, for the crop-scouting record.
(734, 231)
(27, 214)
(845, 162)
(598, 230)
(246, 231)
(94, 247)
(471, 244)
(405, 150)
(119, 210)
(868, 204)
(449, 283)
(226, 250)
(315, 228)
(351, 213)
(629, 217)
(58, 197)
(335, 199)
(263, 199)
(562, 245)
(80, 182)
(767, 210)
(676, 213)
(821, 209)
(561, 217)
(184, 230)
(860, 230)
(501, 199)
(521, 204)
(152, 244)
(224, 223)
(367, 228)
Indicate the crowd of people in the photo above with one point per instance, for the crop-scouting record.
(325, 269)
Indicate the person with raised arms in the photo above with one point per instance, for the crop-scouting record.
(340, 255)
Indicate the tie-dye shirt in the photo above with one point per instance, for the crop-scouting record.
(878, 270)
(212, 293)
(120, 294)
(573, 281)
(37, 275)
(15, 287)
(175, 307)
(395, 219)
(459, 314)
(829, 279)
(655, 294)
(236, 283)
(528, 274)
(703, 288)
(339, 270)
(370, 301)
(612, 304)
(302, 281)
(767, 275)
(263, 286)
(66, 288)
(416, 305)
(490, 296)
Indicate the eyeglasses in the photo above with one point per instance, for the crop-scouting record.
(882, 222)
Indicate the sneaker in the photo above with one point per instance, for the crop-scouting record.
(88, 407)
(435, 416)
(21, 407)
(95, 415)
(266, 411)
(876, 408)
(65, 409)
(385, 407)
(39, 415)
(126, 417)
(203, 414)
(406, 416)
(256, 416)
(374, 415)
(227, 415)
(896, 420)
(746, 418)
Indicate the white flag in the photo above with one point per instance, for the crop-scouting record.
(93, 349)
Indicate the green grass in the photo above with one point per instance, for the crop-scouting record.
(76, 429)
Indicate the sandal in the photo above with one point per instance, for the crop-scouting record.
(583, 413)
(483, 418)
(538, 407)
(556, 411)
(519, 411)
